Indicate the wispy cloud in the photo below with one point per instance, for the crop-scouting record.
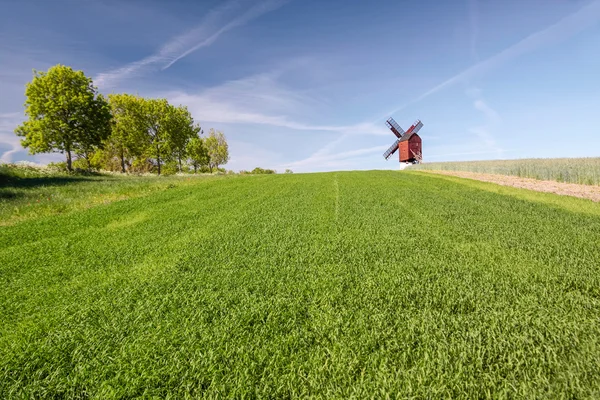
(205, 34)
(474, 28)
(492, 119)
(261, 99)
(570, 25)
(323, 158)
(8, 139)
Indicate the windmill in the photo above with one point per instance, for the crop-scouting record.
(408, 142)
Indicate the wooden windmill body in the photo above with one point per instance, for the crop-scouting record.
(409, 142)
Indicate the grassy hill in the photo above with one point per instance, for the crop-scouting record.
(332, 285)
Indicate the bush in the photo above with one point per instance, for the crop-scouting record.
(259, 171)
(60, 166)
(169, 168)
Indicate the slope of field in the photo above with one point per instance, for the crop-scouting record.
(337, 285)
(585, 171)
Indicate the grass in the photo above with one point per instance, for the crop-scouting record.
(584, 171)
(334, 285)
(28, 192)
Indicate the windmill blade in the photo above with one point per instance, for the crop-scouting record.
(418, 126)
(414, 128)
(394, 127)
(391, 150)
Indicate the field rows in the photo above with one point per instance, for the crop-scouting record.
(334, 285)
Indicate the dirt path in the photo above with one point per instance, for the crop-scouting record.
(565, 189)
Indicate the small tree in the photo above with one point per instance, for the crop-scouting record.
(65, 114)
(181, 130)
(197, 153)
(218, 149)
(128, 134)
(155, 122)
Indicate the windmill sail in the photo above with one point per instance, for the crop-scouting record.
(394, 127)
(391, 150)
(414, 127)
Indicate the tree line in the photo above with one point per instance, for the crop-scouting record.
(119, 132)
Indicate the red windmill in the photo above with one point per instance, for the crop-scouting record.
(408, 142)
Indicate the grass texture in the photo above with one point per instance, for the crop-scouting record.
(584, 171)
(337, 285)
(28, 192)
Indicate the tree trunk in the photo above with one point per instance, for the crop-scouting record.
(210, 167)
(69, 164)
(158, 158)
(87, 159)
(179, 157)
(122, 160)
(195, 168)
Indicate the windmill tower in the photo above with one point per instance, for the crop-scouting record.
(409, 143)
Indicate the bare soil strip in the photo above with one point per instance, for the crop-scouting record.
(560, 188)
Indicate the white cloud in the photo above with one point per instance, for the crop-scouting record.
(324, 159)
(485, 132)
(260, 99)
(490, 113)
(213, 25)
(8, 123)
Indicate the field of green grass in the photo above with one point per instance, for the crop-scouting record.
(584, 171)
(333, 285)
(33, 192)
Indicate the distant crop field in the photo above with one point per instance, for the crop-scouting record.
(331, 285)
(584, 171)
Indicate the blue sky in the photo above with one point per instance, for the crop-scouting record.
(308, 85)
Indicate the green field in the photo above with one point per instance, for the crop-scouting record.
(332, 285)
(585, 171)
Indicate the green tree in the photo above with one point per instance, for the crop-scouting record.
(65, 114)
(218, 149)
(155, 115)
(128, 134)
(180, 131)
(197, 153)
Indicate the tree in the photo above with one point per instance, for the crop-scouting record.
(180, 131)
(65, 114)
(197, 153)
(128, 134)
(154, 120)
(218, 150)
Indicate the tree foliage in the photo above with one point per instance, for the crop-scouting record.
(218, 149)
(126, 140)
(65, 114)
(197, 153)
(181, 131)
(122, 133)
